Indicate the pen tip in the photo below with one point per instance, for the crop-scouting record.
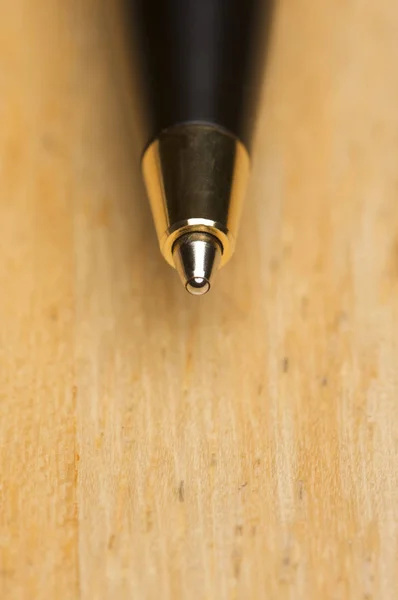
(198, 286)
(197, 257)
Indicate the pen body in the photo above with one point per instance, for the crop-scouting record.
(201, 69)
(201, 61)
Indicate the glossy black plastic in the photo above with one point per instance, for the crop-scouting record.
(201, 60)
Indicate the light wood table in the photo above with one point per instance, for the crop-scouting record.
(239, 446)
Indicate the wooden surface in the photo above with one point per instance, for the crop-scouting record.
(239, 446)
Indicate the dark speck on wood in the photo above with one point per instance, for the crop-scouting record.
(300, 489)
(181, 492)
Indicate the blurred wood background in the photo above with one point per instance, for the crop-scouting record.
(239, 446)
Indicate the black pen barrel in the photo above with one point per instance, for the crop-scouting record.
(202, 61)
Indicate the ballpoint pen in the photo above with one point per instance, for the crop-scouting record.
(201, 71)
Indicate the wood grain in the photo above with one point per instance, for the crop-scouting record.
(244, 445)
